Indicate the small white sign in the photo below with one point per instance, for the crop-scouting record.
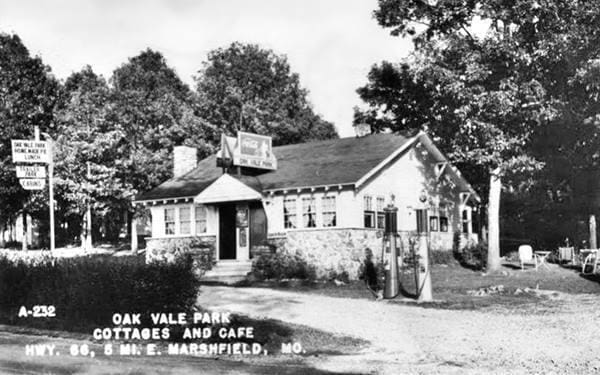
(31, 171)
(24, 151)
(32, 183)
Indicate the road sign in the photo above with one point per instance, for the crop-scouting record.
(31, 171)
(24, 151)
(32, 183)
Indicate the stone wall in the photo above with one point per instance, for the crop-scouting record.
(202, 249)
(331, 251)
(334, 251)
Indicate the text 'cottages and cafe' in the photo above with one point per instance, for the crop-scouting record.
(323, 200)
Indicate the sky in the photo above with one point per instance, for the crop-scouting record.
(331, 44)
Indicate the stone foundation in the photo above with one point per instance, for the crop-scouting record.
(335, 251)
(332, 251)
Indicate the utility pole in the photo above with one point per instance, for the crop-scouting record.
(50, 185)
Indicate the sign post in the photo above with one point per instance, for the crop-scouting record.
(32, 175)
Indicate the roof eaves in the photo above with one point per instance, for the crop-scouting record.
(145, 201)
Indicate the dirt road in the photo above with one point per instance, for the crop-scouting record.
(559, 335)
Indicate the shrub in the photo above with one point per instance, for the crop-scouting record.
(442, 257)
(88, 291)
(474, 256)
(372, 274)
(171, 250)
(282, 265)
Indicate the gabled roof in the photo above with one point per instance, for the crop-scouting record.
(331, 162)
(345, 161)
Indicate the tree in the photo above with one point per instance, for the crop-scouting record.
(28, 95)
(244, 87)
(485, 98)
(153, 110)
(86, 168)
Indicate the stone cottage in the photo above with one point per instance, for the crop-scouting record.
(321, 199)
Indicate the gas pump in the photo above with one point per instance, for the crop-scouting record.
(390, 253)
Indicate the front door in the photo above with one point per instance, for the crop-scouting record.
(227, 229)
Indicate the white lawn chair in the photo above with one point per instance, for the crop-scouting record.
(526, 255)
(590, 258)
(566, 254)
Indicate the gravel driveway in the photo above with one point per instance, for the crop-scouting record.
(560, 335)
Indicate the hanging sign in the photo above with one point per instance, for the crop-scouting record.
(31, 171)
(24, 151)
(32, 183)
(253, 150)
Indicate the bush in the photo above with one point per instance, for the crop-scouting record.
(282, 265)
(372, 274)
(171, 250)
(442, 257)
(88, 291)
(473, 256)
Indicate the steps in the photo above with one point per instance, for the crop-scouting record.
(228, 271)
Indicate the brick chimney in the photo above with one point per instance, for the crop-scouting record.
(184, 160)
(362, 129)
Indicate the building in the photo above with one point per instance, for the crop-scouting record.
(321, 199)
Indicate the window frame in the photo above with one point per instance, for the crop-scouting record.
(329, 211)
(182, 221)
(287, 215)
(308, 213)
(368, 212)
(444, 224)
(200, 220)
(169, 225)
(434, 223)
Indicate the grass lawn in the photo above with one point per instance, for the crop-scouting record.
(454, 285)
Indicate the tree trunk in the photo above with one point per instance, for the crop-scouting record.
(493, 257)
(593, 242)
(134, 239)
(24, 239)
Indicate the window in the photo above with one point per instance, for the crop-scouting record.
(433, 223)
(443, 224)
(200, 219)
(369, 214)
(380, 213)
(289, 213)
(465, 221)
(169, 221)
(309, 212)
(184, 220)
(329, 211)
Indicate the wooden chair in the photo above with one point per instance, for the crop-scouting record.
(589, 258)
(526, 255)
(566, 254)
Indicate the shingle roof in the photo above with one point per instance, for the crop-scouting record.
(331, 162)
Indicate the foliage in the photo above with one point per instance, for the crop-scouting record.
(372, 274)
(87, 291)
(488, 98)
(172, 250)
(244, 87)
(442, 257)
(282, 265)
(473, 256)
(28, 95)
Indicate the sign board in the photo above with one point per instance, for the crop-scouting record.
(31, 171)
(254, 151)
(24, 151)
(32, 183)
